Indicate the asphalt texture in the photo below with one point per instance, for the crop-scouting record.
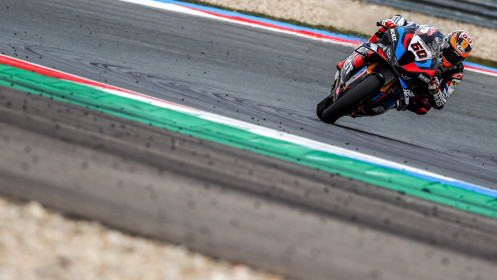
(225, 202)
(253, 75)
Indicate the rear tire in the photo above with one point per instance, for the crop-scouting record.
(340, 107)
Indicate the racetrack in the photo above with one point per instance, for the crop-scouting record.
(252, 75)
(274, 80)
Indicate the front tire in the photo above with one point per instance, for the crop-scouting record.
(340, 107)
(325, 103)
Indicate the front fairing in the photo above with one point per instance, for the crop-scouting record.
(414, 52)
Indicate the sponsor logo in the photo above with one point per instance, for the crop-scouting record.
(348, 66)
(424, 78)
(467, 41)
(431, 31)
(457, 76)
(407, 93)
(392, 33)
(436, 44)
(424, 29)
(438, 100)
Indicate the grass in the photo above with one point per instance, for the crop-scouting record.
(473, 59)
(482, 61)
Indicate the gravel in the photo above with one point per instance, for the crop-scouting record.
(36, 243)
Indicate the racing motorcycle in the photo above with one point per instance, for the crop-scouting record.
(381, 76)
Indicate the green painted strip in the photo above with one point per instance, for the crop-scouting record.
(191, 125)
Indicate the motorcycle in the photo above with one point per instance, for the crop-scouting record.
(378, 77)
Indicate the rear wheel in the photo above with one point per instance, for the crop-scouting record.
(340, 107)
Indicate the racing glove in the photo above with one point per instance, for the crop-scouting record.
(395, 21)
(446, 89)
(386, 24)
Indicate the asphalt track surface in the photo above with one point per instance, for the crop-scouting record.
(286, 218)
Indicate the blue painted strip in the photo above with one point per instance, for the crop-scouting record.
(456, 183)
(481, 67)
(459, 184)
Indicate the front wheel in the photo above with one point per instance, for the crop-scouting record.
(340, 107)
(325, 103)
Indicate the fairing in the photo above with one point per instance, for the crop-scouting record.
(406, 58)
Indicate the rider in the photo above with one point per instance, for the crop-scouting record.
(455, 49)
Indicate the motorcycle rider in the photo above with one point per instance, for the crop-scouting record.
(455, 49)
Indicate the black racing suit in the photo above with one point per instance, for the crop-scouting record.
(440, 88)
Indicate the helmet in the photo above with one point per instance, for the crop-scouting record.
(456, 48)
(399, 20)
